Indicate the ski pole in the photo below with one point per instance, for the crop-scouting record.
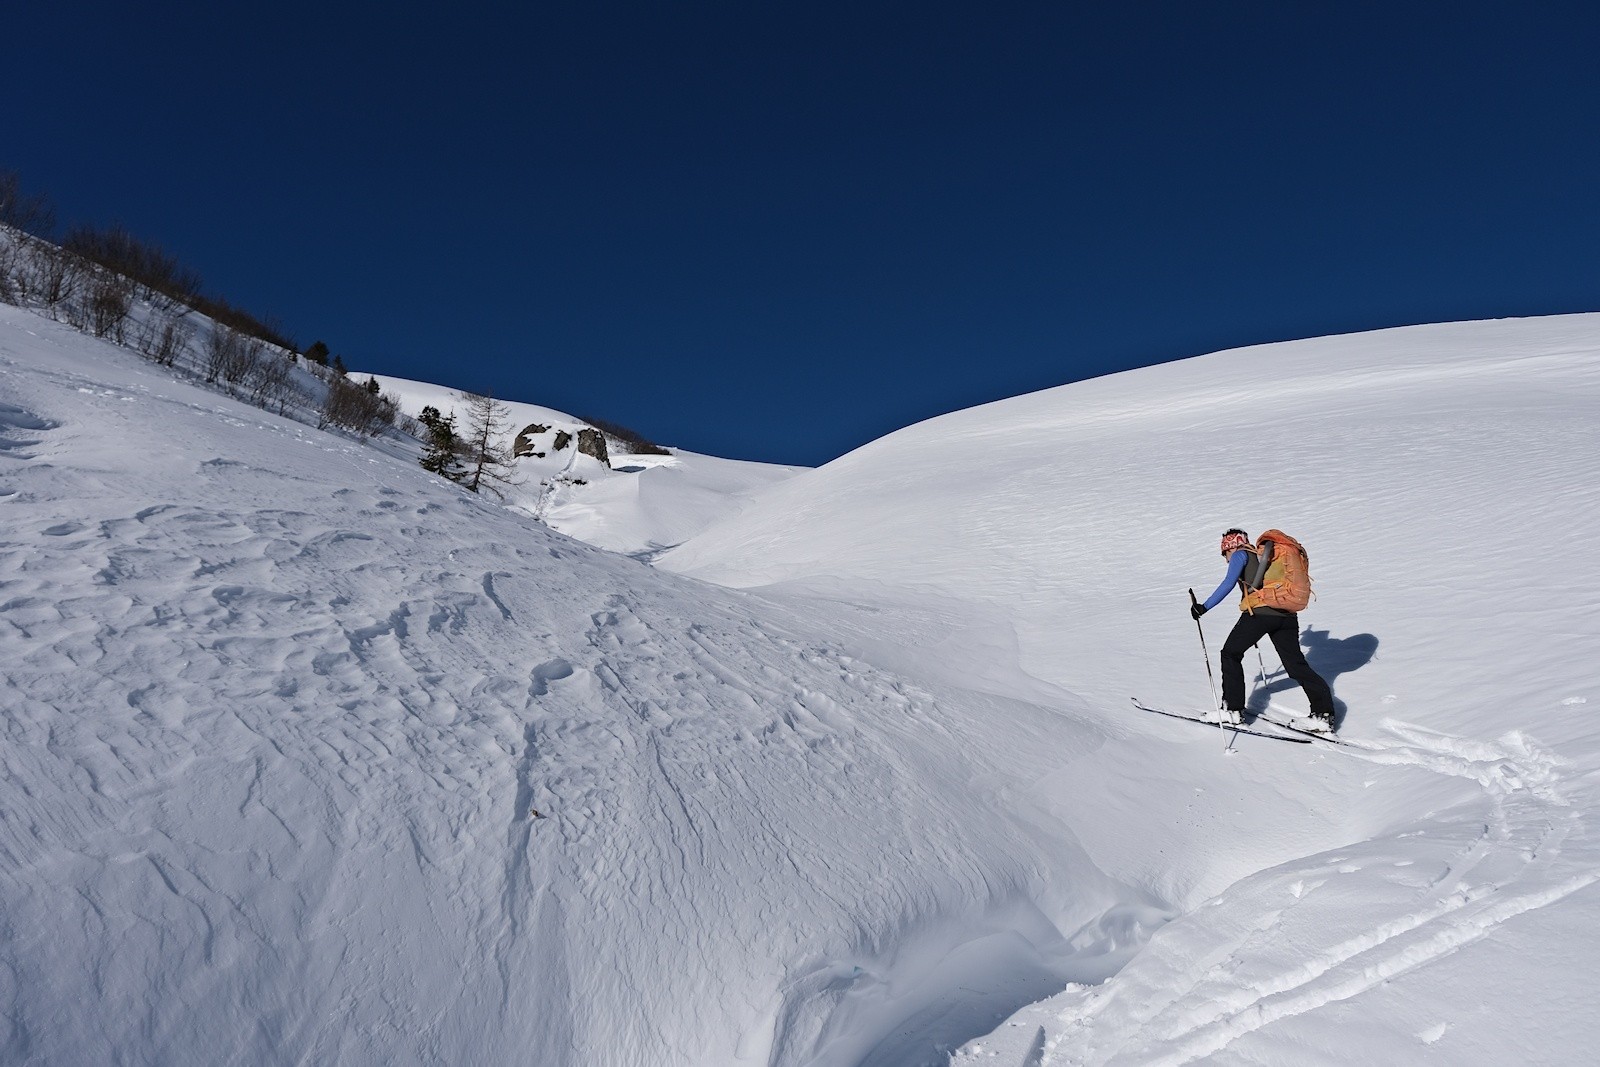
(1211, 679)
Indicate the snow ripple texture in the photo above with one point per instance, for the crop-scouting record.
(308, 758)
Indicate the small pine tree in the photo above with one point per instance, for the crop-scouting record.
(373, 387)
(442, 450)
(317, 353)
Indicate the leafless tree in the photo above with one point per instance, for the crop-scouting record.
(230, 355)
(24, 220)
(50, 275)
(222, 346)
(351, 407)
(628, 440)
(220, 311)
(29, 214)
(271, 383)
(252, 352)
(163, 282)
(106, 298)
(162, 338)
(489, 462)
(10, 256)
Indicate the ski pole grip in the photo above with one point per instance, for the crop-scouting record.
(1192, 598)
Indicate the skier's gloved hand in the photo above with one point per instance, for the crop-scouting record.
(1196, 610)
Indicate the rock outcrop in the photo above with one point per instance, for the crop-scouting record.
(590, 441)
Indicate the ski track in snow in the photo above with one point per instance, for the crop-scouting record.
(309, 758)
(1409, 461)
(1206, 985)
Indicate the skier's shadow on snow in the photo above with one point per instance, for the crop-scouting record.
(1329, 656)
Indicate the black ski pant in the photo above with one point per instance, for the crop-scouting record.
(1285, 633)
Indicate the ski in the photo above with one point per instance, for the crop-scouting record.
(1328, 737)
(1225, 726)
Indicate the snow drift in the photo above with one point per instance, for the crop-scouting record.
(1341, 903)
(310, 757)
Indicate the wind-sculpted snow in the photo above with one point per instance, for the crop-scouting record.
(1424, 894)
(307, 757)
(310, 758)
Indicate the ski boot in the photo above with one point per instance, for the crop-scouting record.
(1315, 723)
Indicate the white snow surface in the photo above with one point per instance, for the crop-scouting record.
(309, 757)
(641, 506)
(1425, 894)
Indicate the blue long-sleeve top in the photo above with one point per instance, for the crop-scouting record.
(1236, 563)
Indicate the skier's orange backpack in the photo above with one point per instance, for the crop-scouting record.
(1285, 583)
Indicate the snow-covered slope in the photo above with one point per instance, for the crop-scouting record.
(640, 506)
(1423, 895)
(309, 757)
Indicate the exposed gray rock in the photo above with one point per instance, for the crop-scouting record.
(592, 442)
(523, 446)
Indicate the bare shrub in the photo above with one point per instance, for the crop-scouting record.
(31, 214)
(219, 310)
(229, 354)
(221, 343)
(162, 280)
(251, 353)
(24, 220)
(632, 442)
(10, 255)
(74, 311)
(50, 276)
(165, 283)
(162, 338)
(351, 407)
(106, 299)
(271, 385)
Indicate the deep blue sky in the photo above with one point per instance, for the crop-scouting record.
(775, 230)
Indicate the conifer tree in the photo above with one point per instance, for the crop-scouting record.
(442, 450)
